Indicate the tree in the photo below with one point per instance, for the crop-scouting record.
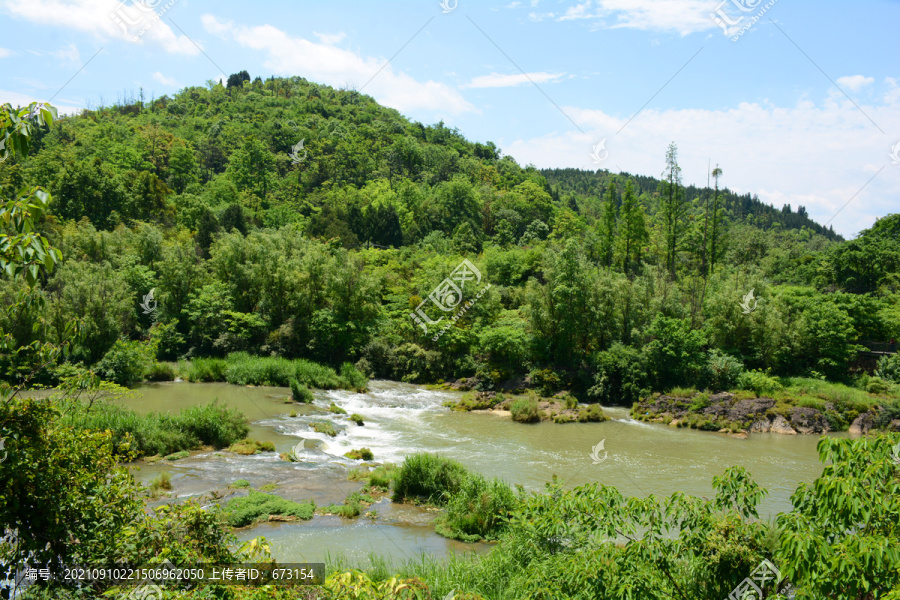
(607, 224)
(236, 80)
(714, 232)
(632, 230)
(841, 540)
(251, 168)
(672, 207)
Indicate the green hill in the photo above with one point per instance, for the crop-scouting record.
(282, 217)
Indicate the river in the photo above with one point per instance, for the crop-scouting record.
(400, 419)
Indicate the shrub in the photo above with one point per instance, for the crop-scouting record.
(525, 409)
(888, 368)
(357, 418)
(241, 483)
(335, 409)
(300, 393)
(163, 481)
(428, 477)
(361, 454)
(759, 382)
(257, 506)
(620, 375)
(591, 414)
(877, 385)
(323, 427)
(160, 372)
(213, 424)
(352, 507)
(722, 371)
(126, 362)
(178, 455)
(570, 401)
(478, 511)
(675, 354)
(700, 402)
(546, 381)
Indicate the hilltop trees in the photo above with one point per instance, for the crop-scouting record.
(672, 207)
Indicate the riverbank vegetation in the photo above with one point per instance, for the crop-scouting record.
(180, 230)
(212, 425)
(211, 245)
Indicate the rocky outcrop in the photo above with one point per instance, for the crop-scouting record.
(724, 411)
(862, 424)
(780, 425)
(809, 420)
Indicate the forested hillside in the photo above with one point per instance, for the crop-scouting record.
(282, 217)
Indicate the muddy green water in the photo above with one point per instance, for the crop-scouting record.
(642, 459)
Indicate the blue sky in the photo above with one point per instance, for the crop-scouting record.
(799, 108)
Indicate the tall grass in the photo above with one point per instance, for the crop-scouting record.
(241, 368)
(204, 369)
(478, 511)
(211, 424)
(428, 477)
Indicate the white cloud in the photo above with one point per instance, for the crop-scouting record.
(169, 81)
(288, 55)
(680, 16)
(4, 52)
(69, 53)
(105, 19)
(330, 39)
(496, 80)
(855, 82)
(817, 155)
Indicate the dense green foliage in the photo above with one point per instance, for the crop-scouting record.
(478, 511)
(182, 229)
(608, 286)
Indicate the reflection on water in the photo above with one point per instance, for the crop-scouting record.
(401, 418)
